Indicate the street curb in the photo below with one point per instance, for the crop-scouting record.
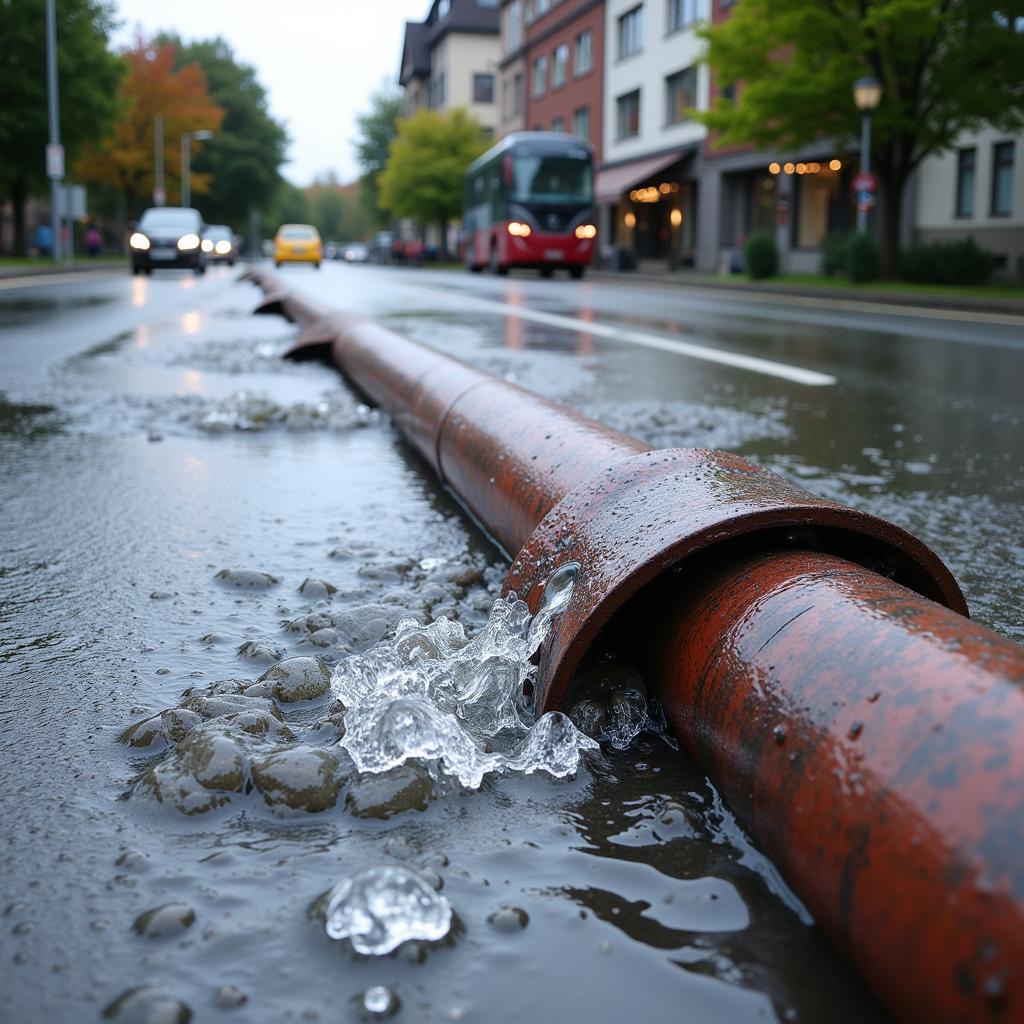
(922, 300)
(13, 273)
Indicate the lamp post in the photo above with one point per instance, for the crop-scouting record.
(186, 153)
(867, 94)
(54, 151)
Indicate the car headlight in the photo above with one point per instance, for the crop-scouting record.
(223, 247)
(139, 241)
(187, 242)
(586, 231)
(518, 229)
(207, 245)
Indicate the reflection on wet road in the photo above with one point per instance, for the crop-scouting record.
(183, 510)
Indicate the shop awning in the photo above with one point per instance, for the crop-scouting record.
(613, 182)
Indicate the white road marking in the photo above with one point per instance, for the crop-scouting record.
(35, 280)
(689, 349)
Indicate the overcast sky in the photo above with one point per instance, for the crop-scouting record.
(319, 61)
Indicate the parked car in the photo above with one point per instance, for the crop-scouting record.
(332, 251)
(219, 244)
(298, 243)
(356, 252)
(168, 236)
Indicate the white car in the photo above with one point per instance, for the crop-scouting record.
(356, 252)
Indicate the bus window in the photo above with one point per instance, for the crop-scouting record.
(551, 179)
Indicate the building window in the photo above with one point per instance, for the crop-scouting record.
(729, 92)
(581, 123)
(540, 76)
(584, 52)
(680, 95)
(680, 14)
(558, 124)
(631, 32)
(1002, 179)
(560, 65)
(627, 115)
(483, 88)
(965, 182)
(513, 26)
(435, 93)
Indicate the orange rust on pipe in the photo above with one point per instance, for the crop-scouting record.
(556, 487)
(872, 742)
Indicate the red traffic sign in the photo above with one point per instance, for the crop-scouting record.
(865, 182)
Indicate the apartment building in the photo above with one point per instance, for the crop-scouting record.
(512, 68)
(976, 190)
(451, 59)
(647, 188)
(564, 55)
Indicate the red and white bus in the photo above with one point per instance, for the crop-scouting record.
(529, 202)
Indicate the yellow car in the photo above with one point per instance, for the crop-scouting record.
(298, 243)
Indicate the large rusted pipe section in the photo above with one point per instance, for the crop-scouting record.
(815, 660)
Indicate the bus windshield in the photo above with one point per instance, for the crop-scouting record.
(551, 179)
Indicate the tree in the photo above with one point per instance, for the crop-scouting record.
(338, 210)
(426, 165)
(124, 160)
(87, 79)
(946, 66)
(377, 130)
(243, 160)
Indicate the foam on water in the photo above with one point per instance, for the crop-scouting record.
(456, 704)
(248, 411)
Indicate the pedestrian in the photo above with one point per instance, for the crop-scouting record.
(43, 240)
(93, 241)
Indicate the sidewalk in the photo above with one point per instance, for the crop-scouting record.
(80, 266)
(866, 295)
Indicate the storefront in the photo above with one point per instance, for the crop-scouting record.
(647, 210)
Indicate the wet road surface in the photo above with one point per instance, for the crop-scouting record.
(150, 439)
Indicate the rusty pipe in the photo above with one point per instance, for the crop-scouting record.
(872, 742)
(556, 487)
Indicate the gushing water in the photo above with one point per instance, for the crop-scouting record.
(456, 704)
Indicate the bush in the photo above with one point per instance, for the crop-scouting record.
(959, 261)
(862, 258)
(834, 254)
(760, 255)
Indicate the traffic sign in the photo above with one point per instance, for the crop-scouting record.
(55, 161)
(865, 182)
(865, 200)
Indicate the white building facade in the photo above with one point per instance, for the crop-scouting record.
(647, 187)
(976, 190)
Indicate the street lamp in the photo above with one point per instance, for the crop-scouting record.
(186, 154)
(867, 94)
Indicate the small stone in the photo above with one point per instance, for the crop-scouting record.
(408, 787)
(228, 997)
(145, 1005)
(259, 650)
(314, 588)
(297, 679)
(378, 1002)
(300, 777)
(509, 919)
(247, 578)
(166, 921)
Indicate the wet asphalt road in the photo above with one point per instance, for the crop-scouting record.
(150, 437)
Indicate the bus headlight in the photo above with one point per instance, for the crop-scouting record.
(139, 241)
(586, 231)
(518, 229)
(188, 242)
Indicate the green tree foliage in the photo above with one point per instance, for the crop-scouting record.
(338, 210)
(87, 79)
(377, 130)
(945, 66)
(427, 163)
(243, 160)
(289, 206)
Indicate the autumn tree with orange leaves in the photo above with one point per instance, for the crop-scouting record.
(124, 161)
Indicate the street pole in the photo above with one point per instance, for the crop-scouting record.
(159, 196)
(186, 190)
(865, 167)
(55, 155)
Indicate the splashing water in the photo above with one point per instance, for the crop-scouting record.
(457, 704)
(383, 907)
